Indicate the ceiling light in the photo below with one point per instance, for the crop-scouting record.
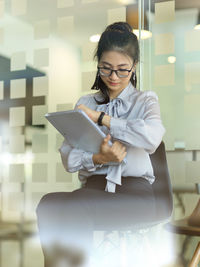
(95, 38)
(171, 59)
(144, 34)
(132, 18)
(126, 2)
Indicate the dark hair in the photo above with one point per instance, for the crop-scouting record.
(118, 37)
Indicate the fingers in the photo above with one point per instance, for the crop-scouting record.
(119, 151)
(116, 152)
(122, 156)
(107, 139)
(119, 146)
(80, 106)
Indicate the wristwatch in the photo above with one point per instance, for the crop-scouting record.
(99, 121)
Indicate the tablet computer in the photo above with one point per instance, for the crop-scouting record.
(78, 129)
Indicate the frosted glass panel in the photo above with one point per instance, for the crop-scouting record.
(65, 25)
(17, 144)
(63, 107)
(18, 61)
(18, 7)
(164, 43)
(192, 75)
(42, 29)
(2, 8)
(88, 51)
(41, 57)
(16, 173)
(88, 79)
(164, 75)
(192, 40)
(17, 116)
(10, 261)
(15, 201)
(40, 143)
(40, 86)
(192, 113)
(39, 172)
(88, 1)
(18, 88)
(116, 14)
(164, 11)
(38, 115)
(65, 3)
(62, 175)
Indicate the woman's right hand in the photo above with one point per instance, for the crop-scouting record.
(107, 153)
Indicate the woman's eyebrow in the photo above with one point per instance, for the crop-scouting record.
(120, 65)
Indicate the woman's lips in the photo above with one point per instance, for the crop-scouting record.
(113, 84)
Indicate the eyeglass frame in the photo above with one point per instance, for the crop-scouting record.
(111, 71)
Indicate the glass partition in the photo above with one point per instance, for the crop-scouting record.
(170, 67)
(46, 64)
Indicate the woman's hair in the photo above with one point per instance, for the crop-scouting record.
(116, 37)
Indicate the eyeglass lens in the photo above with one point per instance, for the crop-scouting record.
(107, 72)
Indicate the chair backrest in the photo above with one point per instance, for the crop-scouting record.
(162, 185)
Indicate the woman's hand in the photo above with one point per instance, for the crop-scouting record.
(92, 114)
(114, 153)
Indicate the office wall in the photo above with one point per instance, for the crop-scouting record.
(46, 64)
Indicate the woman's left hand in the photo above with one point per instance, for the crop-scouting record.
(92, 114)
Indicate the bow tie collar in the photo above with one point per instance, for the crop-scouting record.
(115, 108)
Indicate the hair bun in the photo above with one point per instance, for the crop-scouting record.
(119, 26)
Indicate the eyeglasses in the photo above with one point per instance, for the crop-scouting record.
(121, 73)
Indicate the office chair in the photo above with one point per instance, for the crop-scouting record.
(164, 203)
(162, 191)
(162, 185)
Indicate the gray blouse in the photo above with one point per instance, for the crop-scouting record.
(135, 122)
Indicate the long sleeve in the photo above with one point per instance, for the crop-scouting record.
(136, 122)
(143, 132)
(74, 159)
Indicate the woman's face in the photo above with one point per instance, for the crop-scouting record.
(116, 61)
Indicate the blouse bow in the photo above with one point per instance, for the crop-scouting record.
(115, 108)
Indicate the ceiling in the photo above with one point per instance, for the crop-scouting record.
(89, 19)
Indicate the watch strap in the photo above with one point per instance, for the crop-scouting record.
(99, 121)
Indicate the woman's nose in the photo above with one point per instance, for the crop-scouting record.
(113, 75)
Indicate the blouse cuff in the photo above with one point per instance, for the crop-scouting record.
(117, 127)
(87, 162)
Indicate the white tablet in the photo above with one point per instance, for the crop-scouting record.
(78, 129)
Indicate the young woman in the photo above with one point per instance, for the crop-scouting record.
(111, 196)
